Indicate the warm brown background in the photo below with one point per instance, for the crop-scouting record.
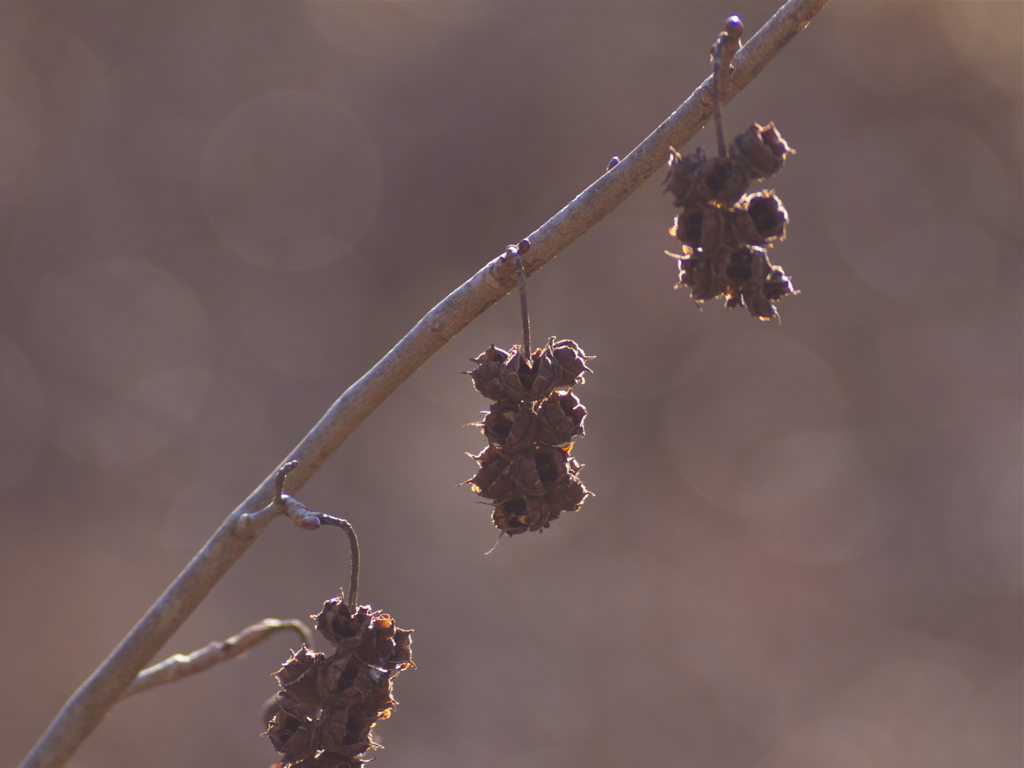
(805, 547)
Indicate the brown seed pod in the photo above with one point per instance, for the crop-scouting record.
(721, 228)
(573, 361)
(330, 704)
(726, 180)
(760, 150)
(695, 180)
(707, 228)
(297, 677)
(547, 484)
(760, 218)
(509, 426)
(526, 474)
(516, 377)
(339, 625)
(489, 368)
(519, 514)
(292, 731)
(344, 736)
(702, 272)
(752, 277)
(567, 494)
(683, 178)
(689, 227)
(560, 420)
(493, 479)
(511, 516)
(547, 372)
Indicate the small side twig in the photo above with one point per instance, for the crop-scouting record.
(181, 666)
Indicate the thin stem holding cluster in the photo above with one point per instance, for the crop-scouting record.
(516, 252)
(308, 520)
(352, 598)
(722, 53)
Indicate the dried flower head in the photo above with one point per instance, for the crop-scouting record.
(723, 229)
(328, 705)
(526, 471)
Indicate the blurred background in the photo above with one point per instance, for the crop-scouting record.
(805, 543)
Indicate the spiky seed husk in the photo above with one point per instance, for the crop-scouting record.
(526, 470)
(329, 705)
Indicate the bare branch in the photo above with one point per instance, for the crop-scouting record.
(180, 666)
(87, 707)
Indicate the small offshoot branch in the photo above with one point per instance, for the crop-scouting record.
(90, 703)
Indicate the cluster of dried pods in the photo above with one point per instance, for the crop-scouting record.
(324, 715)
(724, 230)
(526, 470)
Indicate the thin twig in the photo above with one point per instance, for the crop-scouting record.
(180, 666)
(90, 703)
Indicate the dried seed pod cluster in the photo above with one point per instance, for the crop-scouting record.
(723, 229)
(324, 715)
(527, 471)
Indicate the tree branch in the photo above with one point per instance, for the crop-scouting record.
(181, 666)
(87, 707)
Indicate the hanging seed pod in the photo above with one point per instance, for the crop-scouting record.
(297, 677)
(487, 374)
(695, 180)
(511, 516)
(328, 705)
(694, 273)
(559, 490)
(759, 218)
(560, 420)
(516, 377)
(726, 180)
(526, 470)
(509, 426)
(760, 150)
(683, 180)
(573, 361)
(750, 273)
(293, 732)
(494, 478)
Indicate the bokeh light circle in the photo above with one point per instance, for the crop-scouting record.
(291, 180)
